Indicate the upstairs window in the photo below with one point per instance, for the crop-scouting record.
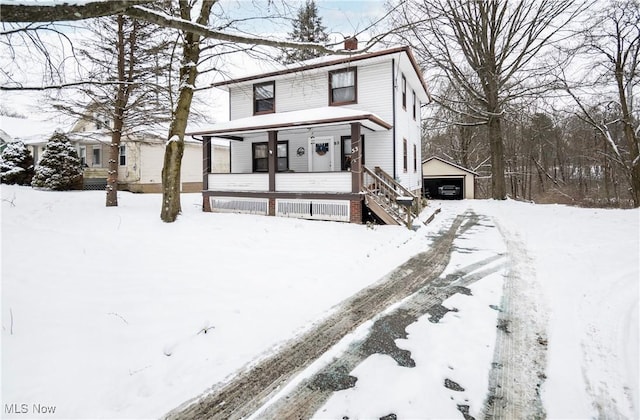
(343, 87)
(404, 92)
(264, 98)
(414, 105)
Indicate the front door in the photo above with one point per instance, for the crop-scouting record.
(321, 154)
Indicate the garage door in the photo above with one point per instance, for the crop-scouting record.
(432, 188)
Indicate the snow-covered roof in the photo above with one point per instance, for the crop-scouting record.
(24, 129)
(451, 164)
(296, 119)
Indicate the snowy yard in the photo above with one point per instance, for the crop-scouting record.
(110, 313)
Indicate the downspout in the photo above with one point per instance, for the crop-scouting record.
(393, 99)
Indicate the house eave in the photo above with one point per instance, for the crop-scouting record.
(290, 122)
(338, 61)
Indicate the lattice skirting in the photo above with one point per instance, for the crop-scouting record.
(240, 205)
(337, 210)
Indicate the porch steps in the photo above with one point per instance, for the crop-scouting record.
(381, 197)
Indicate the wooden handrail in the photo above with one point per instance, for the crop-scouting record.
(379, 186)
(382, 174)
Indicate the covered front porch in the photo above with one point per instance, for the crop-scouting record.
(294, 164)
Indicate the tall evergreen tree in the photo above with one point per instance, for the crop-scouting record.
(307, 27)
(59, 168)
(16, 164)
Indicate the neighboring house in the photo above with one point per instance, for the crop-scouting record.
(140, 157)
(443, 179)
(325, 139)
(4, 139)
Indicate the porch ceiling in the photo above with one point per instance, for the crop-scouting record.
(281, 121)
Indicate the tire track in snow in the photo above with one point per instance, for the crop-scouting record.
(519, 363)
(252, 387)
(310, 394)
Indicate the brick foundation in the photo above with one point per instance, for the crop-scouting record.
(356, 211)
(206, 203)
(272, 207)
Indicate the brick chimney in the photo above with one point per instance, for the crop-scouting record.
(351, 44)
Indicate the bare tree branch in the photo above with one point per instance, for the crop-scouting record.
(33, 12)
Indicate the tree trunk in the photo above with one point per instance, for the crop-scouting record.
(175, 146)
(118, 121)
(630, 137)
(171, 183)
(498, 185)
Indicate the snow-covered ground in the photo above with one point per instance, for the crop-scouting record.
(110, 313)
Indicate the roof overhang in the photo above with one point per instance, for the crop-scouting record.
(282, 121)
(462, 168)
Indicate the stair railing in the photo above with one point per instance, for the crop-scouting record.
(382, 188)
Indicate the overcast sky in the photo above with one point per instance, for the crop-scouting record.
(341, 18)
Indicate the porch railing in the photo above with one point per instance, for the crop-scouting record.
(385, 195)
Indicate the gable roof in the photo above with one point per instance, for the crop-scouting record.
(329, 61)
(305, 118)
(450, 164)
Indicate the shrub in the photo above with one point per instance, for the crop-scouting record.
(60, 168)
(16, 164)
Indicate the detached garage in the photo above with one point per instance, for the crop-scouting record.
(443, 179)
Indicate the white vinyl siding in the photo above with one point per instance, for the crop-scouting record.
(375, 90)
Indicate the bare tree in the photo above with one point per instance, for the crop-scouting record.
(193, 30)
(612, 44)
(129, 57)
(490, 52)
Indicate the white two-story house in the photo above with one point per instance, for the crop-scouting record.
(331, 139)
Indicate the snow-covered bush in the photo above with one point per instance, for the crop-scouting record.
(60, 168)
(16, 164)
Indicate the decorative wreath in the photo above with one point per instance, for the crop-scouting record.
(300, 151)
(322, 148)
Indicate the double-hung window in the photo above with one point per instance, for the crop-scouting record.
(343, 86)
(264, 98)
(261, 156)
(415, 158)
(414, 105)
(405, 158)
(404, 92)
(122, 155)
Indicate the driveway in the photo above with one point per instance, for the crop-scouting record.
(299, 378)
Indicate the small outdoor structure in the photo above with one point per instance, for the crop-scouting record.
(334, 138)
(439, 176)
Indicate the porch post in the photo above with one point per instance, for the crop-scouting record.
(272, 159)
(356, 159)
(206, 161)
(206, 170)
